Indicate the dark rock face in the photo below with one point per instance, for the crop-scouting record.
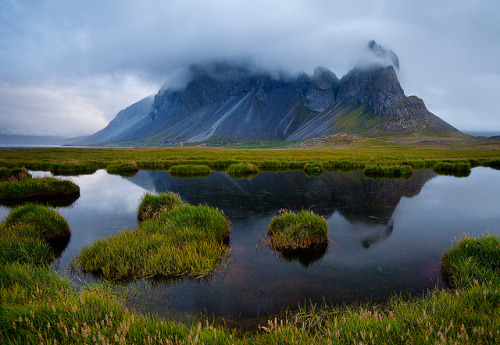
(231, 102)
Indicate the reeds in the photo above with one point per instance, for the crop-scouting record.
(37, 187)
(291, 231)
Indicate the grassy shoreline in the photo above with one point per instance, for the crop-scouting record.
(84, 160)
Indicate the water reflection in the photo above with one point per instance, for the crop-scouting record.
(368, 204)
(385, 235)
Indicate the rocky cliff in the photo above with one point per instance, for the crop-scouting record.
(224, 102)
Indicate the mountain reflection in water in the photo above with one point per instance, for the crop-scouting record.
(366, 203)
(386, 236)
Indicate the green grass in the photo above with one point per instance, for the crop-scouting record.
(122, 168)
(153, 205)
(459, 169)
(37, 306)
(37, 187)
(183, 241)
(242, 169)
(371, 152)
(314, 169)
(292, 231)
(13, 174)
(190, 170)
(31, 234)
(46, 223)
(389, 171)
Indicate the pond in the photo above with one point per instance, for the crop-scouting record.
(386, 235)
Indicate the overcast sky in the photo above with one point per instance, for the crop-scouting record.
(68, 66)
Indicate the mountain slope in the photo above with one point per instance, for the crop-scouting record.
(226, 102)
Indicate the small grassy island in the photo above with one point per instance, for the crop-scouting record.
(314, 169)
(173, 240)
(242, 169)
(297, 231)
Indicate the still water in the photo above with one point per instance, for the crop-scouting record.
(386, 236)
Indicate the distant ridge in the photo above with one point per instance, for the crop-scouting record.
(228, 102)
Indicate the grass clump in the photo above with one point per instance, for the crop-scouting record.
(122, 168)
(473, 261)
(314, 169)
(389, 171)
(14, 174)
(153, 206)
(291, 231)
(47, 223)
(183, 241)
(190, 170)
(32, 234)
(458, 169)
(242, 169)
(37, 187)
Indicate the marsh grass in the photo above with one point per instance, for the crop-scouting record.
(295, 231)
(242, 169)
(186, 240)
(153, 205)
(190, 170)
(458, 169)
(37, 187)
(38, 306)
(314, 169)
(123, 169)
(13, 174)
(389, 171)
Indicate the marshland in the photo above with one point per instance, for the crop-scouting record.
(405, 259)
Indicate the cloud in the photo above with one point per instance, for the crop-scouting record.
(83, 54)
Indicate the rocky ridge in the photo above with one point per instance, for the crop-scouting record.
(226, 102)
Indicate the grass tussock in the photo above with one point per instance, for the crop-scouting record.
(242, 169)
(153, 205)
(314, 169)
(32, 234)
(458, 169)
(38, 306)
(37, 187)
(389, 171)
(190, 170)
(122, 168)
(13, 174)
(183, 241)
(292, 231)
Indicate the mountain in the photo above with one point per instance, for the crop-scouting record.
(227, 102)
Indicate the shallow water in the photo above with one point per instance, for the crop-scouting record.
(386, 236)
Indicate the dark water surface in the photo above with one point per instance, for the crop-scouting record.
(386, 236)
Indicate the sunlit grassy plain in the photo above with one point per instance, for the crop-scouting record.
(37, 306)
